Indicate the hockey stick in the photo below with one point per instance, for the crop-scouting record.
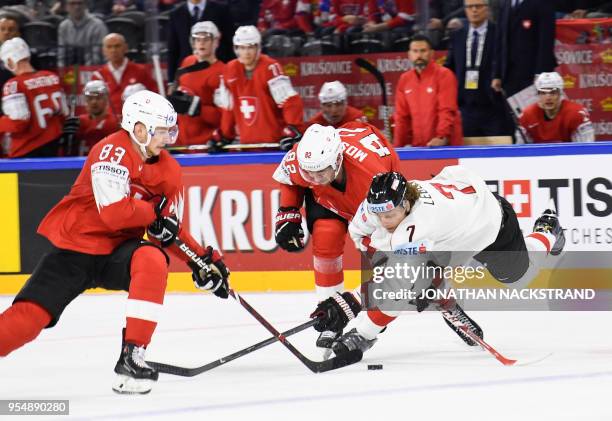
(461, 326)
(369, 67)
(515, 119)
(342, 360)
(190, 372)
(230, 147)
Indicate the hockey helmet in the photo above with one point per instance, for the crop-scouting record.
(386, 192)
(15, 49)
(549, 81)
(332, 92)
(205, 27)
(95, 88)
(247, 35)
(319, 149)
(152, 110)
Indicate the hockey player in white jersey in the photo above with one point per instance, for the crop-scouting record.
(454, 211)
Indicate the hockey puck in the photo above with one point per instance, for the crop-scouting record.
(375, 366)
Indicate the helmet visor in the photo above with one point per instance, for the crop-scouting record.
(168, 134)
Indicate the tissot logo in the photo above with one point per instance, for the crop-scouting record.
(586, 196)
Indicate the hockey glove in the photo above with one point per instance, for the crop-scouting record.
(71, 126)
(335, 312)
(291, 136)
(217, 142)
(288, 233)
(185, 104)
(165, 228)
(214, 278)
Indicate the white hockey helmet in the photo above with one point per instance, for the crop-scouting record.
(15, 49)
(152, 110)
(549, 81)
(332, 92)
(95, 88)
(205, 27)
(247, 35)
(319, 149)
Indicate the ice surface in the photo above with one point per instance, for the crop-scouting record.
(429, 373)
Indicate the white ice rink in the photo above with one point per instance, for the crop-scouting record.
(429, 374)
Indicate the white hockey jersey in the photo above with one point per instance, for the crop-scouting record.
(456, 211)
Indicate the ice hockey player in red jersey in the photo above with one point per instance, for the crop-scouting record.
(553, 118)
(335, 110)
(128, 184)
(98, 121)
(288, 17)
(198, 78)
(330, 170)
(259, 99)
(400, 216)
(33, 103)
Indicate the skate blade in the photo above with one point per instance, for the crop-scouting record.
(126, 385)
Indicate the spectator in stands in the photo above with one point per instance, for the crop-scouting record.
(98, 120)
(401, 19)
(120, 73)
(120, 6)
(426, 112)
(259, 100)
(444, 15)
(80, 35)
(9, 28)
(198, 78)
(470, 57)
(285, 17)
(34, 104)
(525, 44)
(352, 15)
(553, 118)
(183, 17)
(335, 110)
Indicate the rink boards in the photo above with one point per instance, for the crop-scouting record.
(230, 201)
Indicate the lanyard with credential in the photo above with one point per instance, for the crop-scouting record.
(479, 52)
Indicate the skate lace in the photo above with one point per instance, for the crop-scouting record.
(460, 316)
(138, 356)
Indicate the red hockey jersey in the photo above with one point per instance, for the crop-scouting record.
(363, 8)
(366, 153)
(198, 129)
(572, 123)
(133, 73)
(34, 106)
(92, 130)
(352, 114)
(109, 201)
(262, 104)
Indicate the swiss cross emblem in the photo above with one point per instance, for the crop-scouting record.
(308, 155)
(518, 193)
(248, 109)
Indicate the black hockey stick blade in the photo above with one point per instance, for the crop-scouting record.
(339, 361)
(190, 372)
(366, 65)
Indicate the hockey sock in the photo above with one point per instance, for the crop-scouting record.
(21, 323)
(327, 248)
(149, 273)
(370, 326)
(540, 241)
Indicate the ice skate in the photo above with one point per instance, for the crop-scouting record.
(325, 342)
(351, 341)
(134, 376)
(549, 223)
